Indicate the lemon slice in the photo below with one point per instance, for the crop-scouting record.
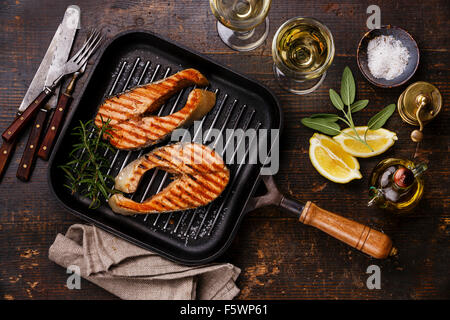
(332, 162)
(380, 140)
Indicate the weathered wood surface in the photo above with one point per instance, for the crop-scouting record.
(279, 258)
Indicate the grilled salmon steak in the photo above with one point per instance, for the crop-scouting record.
(146, 98)
(200, 177)
(136, 133)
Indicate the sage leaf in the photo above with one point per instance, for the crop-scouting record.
(348, 87)
(378, 120)
(359, 105)
(336, 100)
(327, 127)
(325, 116)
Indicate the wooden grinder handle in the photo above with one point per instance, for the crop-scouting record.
(357, 235)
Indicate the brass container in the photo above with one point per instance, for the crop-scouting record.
(420, 103)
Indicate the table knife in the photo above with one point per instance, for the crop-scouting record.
(62, 43)
(34, 93)
(6, 150)
(74, 64)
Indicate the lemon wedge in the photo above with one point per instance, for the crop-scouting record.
(331, 161)
(380, 140)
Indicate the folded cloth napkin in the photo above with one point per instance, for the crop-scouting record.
(131, 272)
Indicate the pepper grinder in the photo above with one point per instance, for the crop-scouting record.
(419, 104)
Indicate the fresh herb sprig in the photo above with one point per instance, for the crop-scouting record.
(84, 169)
(345, 102)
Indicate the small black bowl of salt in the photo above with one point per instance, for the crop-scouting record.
(388, 57)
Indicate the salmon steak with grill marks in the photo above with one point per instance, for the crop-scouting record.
(200, 176)
(141, 132)
(147, 98)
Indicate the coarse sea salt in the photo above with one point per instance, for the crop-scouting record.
(387, 57)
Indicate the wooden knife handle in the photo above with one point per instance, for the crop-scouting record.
(359, 236)
(6, 152)
(20, 122)
(29, 154)
(54, 127)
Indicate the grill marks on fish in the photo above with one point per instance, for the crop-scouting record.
(200, 177)
(129, 112)
(146, 98)
(131, 126)
(138, 133)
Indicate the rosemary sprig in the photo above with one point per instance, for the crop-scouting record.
(83, 171)
(326, 123)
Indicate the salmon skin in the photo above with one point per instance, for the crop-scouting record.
(137, 133)
(200, 177)
(129, 112)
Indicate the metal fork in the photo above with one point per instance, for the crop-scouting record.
(80, 58)
(74, 64)
(58, 117)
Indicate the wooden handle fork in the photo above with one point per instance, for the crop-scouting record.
(29, 154)
(54, 127)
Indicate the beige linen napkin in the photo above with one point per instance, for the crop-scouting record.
(131, 272)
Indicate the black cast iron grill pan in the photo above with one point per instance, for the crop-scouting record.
(194, 236)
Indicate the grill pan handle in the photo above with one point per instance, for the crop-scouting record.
(357, 235)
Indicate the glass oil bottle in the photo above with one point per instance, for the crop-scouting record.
(396, 185)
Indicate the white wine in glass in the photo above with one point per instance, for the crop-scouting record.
(242, 24)
(302, 51)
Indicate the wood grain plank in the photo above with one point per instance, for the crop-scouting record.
(279, 258)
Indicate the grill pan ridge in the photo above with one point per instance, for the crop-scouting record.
(190, 237)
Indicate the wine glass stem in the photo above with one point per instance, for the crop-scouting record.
(244, 34)
(244, 40)
(297, 86)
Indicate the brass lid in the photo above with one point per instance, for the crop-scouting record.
(418, 104)
(417, 94)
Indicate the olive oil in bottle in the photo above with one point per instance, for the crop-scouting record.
(396, 185)
(303, 47)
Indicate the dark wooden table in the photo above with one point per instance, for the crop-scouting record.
(279, 258)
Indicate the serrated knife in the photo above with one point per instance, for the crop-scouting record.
(56, 55)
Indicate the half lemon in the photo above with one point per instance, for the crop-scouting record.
(331, 161)
(380, 140)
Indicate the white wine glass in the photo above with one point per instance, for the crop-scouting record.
(302, 51)
(242, 25)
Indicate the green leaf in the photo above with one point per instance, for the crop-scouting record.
(101, 176)
(322, 125)
(348, 89)
(378, 120)
(103, 191)
(359, 105)
(68, 173)
(336, 100)
(325, 116)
